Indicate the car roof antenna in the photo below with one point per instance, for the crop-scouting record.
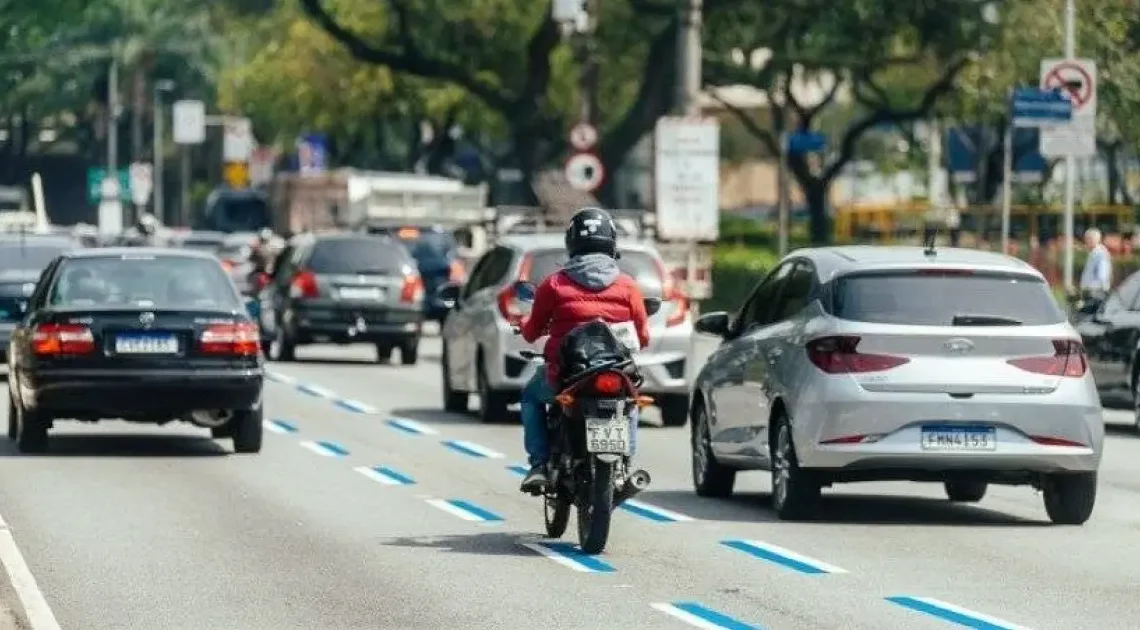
(929, 236)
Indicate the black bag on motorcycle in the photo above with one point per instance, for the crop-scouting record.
(587, 346)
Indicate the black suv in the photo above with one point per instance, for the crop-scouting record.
(344, 288)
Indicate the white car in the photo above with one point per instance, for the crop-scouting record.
(481, 355)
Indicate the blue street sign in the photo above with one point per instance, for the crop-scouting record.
(1032, 107)
(962, 149)
(806, 142)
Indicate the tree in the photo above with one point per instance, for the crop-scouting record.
(509, 55)
(893, 61)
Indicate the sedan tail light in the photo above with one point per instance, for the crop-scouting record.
(60, 339)
(304, 285)
(839, 355)
(239, 339)
(1068, 359)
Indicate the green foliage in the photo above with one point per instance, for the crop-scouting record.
(736, 270)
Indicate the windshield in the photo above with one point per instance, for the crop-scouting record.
(642, 266)
(358, 255)
(144, 281)
(29, 257)
(945, 299)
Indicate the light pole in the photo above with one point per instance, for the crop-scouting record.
(160, 87)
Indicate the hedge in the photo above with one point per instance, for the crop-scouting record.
(736, 270)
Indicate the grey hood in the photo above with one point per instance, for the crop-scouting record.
(592, 271)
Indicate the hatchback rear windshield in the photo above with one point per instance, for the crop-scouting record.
(641, 265)
(144, 281)
(28, 256)
(358, 255)
(945, 299)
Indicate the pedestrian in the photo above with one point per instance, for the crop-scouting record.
(1096, 278)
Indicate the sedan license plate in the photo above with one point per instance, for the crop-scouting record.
(957, 438)
(607, 435)
(146, 344)
(361, 293)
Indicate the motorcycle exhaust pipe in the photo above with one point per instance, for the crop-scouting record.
(637, 481)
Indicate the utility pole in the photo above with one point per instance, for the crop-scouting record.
(689, 61)
(138, 100)
(113, 119)
(1070, 161)
(589, 80)
(184, 197)
(163, 85)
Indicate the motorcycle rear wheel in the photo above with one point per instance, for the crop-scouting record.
(595, 508)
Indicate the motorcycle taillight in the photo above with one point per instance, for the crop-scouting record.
(609, 383)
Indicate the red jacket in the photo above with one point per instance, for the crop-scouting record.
(560, 305)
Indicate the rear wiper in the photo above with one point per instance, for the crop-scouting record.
(984, 320)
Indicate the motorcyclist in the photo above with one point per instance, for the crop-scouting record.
(147, 230)
(590, 286)
(261, 255)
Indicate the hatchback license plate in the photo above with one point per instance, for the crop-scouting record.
(953, 438)
(146, 344)
(361, 293)
(607, 435)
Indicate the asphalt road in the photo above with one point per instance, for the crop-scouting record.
(140, 528)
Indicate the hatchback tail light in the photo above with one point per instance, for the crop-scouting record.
(60, 339)
(413, 289)
(304, 285)
(839, 355)
(239, 339)
(671, 295)
(609, 383)
(1068, 359)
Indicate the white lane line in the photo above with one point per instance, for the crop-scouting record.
(698, 616)
(654, 513)
(355, 406)
(316, 390)
(384, 475)
(569, 556)
(411, 426)
(472, 449)
(324, 448)
(464, 510)
(36, 609)
(952, 613)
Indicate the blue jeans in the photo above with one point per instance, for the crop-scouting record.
(536, 394)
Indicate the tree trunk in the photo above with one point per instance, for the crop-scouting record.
(819, 220)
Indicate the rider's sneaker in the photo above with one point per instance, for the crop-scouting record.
(535, 480)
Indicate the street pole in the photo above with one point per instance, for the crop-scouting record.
(185, 182)
(159, 201)
(1007, 182)
(588, 82)
(113, 119)
(689, 63)
(1070, 161)
(138, 99)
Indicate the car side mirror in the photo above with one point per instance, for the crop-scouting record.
(652, 305)
(448, 294)
(715, 323)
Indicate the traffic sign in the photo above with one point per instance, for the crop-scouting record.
(806, 142)
(1075, 79)
(236, 174)
(1032, 107)
(585, 171)
(686, 176)
(96, 177)
(189, 122)
(142, 183)
(583, 137)
(237, 140)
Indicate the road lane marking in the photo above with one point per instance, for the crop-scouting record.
(35, 607)
(518, 469)
(279, 426)
(465, 510)
(278, 377)
(953, 614)
(316, 390)
(385, 475)
(472, 449)
(653, 512)
(354, 406)
(570, 557)
(783, 557)
(411, 426)
(325, 448)
(700, 616)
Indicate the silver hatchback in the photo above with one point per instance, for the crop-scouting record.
(891, 363)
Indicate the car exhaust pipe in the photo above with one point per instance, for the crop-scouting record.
(209, 418)
(635, 483)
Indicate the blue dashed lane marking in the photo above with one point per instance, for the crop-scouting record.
(465, 510)
(953, 614)
(385, 475)
(326, 448)
(570, 557)
(700, 616)
(518, 470)
(782, 557)
(354, 406)
(411, 427)
(472, 449)
(317, 391)
(280, 426)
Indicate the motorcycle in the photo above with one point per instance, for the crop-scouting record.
(590, 425)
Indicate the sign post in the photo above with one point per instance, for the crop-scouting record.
(1044, 109)
(585, 171)
(189, 129)
(686, 174)
(237, 149)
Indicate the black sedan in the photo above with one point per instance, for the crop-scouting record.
(145, 335)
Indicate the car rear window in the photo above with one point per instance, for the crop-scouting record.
(641, 265)
(357, 255)
(28, 256)
(937, 299)
(144, 281)
(203, 245)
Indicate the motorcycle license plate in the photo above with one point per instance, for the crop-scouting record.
(608, 435)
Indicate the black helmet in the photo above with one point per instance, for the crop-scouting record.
(591, 231)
